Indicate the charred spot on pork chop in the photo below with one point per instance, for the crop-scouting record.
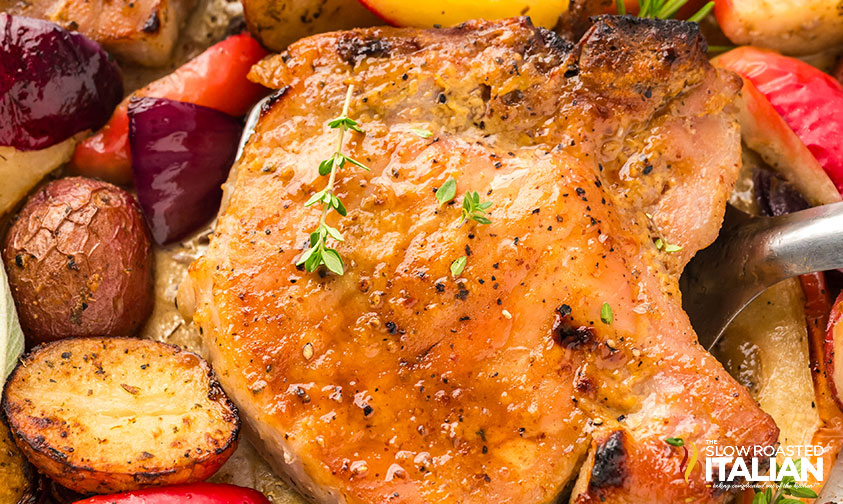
(609, 462)
(352, 48)
(567, 333)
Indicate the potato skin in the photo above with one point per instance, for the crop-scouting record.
(278, 23)
(181, 429)
(79, 261)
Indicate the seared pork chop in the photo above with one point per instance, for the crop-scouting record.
(397, 383)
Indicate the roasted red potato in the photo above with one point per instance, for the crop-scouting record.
(104, 415)
(19, 483)
(79, 262)
(278, 23)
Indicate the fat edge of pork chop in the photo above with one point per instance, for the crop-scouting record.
(399, 383)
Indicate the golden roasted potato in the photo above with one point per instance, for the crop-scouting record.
(766, 349)
(277, 23)
(789, 26)
(110, 415)
(18, 480)
(79, 261)
(20, 171)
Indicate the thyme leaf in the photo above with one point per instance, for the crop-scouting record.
(421, 132)
(666, 247)
(606, 315)
(458, 266)
(447, 192)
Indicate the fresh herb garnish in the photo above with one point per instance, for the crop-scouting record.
(664, 9)
(667, 247)
(458, 265)
(779, 491)
(472, 209)
(447, 192)
(421, 132)
(720, 48)
(319, 253)
(606, 315)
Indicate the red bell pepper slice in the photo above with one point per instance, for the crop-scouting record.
(215, 79)
(194, 493)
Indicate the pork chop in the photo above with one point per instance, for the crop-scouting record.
(138, 31)
(398, 383)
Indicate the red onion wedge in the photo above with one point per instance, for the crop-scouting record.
(181, 155)
(53, 83)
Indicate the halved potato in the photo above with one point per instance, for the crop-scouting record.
(116, 414)
(278, 23)
(18, 480)
(766, 349)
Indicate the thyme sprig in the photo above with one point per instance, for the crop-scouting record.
(783, 490)
(664, 9)
(319, 253)
(473, 209)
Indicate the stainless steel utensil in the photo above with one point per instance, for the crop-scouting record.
(752, 254)
(249, 126)
(832, 492)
